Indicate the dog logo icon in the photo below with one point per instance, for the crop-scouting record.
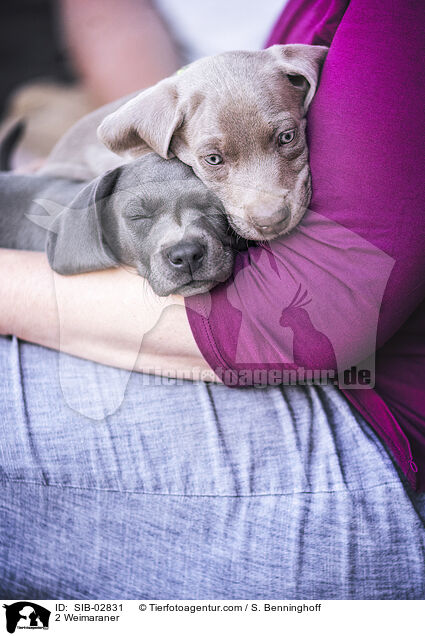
(26, 615)
(309, 343)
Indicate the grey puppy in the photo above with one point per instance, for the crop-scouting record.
(238, 119)
(151, 214)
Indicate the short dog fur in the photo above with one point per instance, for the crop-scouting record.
(150, 214)
(237, 118)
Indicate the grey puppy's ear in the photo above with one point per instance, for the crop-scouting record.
(75, 243)
(147, 122)
(302, 64)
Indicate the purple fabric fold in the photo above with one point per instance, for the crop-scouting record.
(307, 22)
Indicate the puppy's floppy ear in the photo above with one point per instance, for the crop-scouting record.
(75, 243)
(146, 122)
(302, 64)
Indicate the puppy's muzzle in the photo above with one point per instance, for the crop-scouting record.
(263, 224)
(272, 223)
(186, 257)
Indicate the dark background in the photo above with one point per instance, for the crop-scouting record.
(30, 46)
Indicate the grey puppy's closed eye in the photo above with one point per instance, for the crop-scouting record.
(138, 217)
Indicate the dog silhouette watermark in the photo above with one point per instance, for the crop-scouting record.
(26, 615)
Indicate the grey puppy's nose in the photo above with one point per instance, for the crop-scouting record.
(186, 257)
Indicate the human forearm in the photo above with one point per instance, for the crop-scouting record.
(119, 47)
(28, 305)
(111, 317)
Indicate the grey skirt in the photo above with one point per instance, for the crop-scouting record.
(194, 491)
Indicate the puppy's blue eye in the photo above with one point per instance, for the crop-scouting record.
(286, 137)
(214, 160)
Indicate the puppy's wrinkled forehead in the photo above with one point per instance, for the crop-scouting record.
(175, 197)
(240, 73)
(151, 168)
(158, 186)
(250, 80)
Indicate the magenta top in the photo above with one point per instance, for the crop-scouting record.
(350, 278)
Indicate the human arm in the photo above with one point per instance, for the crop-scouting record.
(102, 316)
(118, 47)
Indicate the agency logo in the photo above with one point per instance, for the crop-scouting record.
(26, 615)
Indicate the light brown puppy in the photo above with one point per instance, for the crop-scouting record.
(237, 118)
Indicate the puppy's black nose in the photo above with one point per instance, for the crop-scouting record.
(186, 257)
